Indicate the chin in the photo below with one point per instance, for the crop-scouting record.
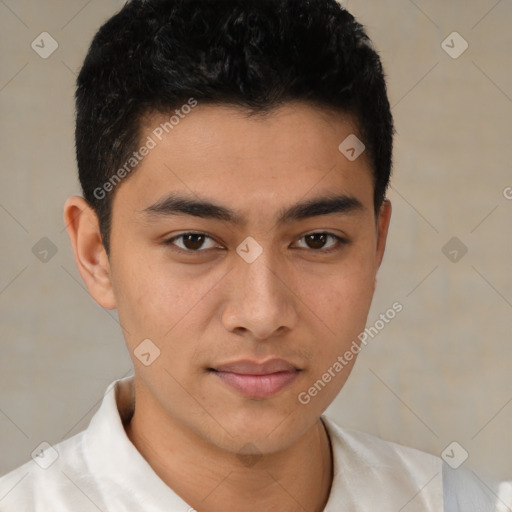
(266, 432)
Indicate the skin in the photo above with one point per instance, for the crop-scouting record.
(295, 301)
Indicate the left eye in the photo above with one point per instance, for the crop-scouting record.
(317, 241)
(194, 242)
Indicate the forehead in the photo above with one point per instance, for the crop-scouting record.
(259, 161)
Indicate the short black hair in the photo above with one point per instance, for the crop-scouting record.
(158, 55)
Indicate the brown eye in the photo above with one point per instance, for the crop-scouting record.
(193, 241)
(190, 242)
(318, 241)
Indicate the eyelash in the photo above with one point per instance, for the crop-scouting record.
(170, 242)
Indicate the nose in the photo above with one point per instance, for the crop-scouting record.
(262, 302)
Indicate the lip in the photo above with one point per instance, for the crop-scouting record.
(257, 379)
(248, 367)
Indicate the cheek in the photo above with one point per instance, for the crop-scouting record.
(342, 298)
(342, 312)
(144, 298)
(351, 300)
(157, 300)
(340, 303)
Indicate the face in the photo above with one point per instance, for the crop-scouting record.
(251, 294)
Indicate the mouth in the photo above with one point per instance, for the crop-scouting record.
(257, 380)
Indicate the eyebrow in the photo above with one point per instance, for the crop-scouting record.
(176, 204)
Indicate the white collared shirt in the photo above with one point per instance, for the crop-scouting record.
(99, 469)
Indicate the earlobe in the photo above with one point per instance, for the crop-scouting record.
(90, 256)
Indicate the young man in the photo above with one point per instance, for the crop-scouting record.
(234, 157)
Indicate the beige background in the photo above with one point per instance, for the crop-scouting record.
(439, 372)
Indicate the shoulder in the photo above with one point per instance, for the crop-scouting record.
(401, 470)
(64, 476)
(372, 451)
(372, 474)
(465, 490)
(55, 472)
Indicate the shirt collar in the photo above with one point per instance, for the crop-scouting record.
(394, 471)
(113, 457)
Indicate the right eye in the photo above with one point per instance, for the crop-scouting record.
(190, 242)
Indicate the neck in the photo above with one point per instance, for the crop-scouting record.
(207, 477)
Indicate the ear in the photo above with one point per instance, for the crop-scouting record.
(383, 221)
(90, 256)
